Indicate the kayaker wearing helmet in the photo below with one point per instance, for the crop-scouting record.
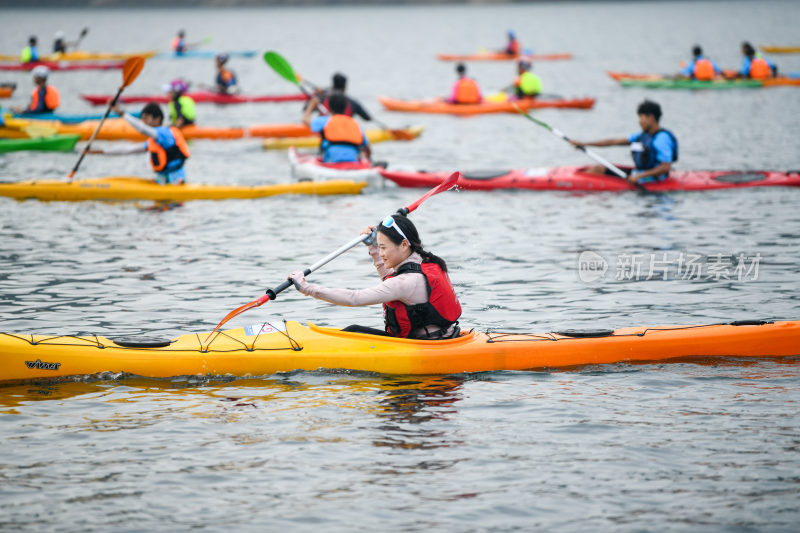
(701, 68)
(342, 138)
(756, 66)
(44, 98)
(182, 111)
(30, 54)
(465, 89)
(512, 48)
(226, 79)
(654, 149)
(418, 299)
(527, 84)
(339, 86)
(166, 145)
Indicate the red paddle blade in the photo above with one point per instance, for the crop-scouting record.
(446, 185)
(239, 311)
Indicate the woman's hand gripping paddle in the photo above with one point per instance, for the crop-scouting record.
(272, 294)
(558, 133)
(130, 71)
(285, 71)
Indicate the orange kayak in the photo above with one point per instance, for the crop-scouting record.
(499, 56)
(7, 89)
(116, 129)
(439, 106)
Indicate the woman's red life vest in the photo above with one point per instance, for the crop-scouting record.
(51, 98)
(442, 308)
(760, 69)
(160, 156)
(467, 91)
(348, 110)
(703, 70)
(342, 129)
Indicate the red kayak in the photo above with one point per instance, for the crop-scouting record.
(200, 97)
(577, 179)
(53, 65)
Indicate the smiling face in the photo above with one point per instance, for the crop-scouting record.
(391, 253)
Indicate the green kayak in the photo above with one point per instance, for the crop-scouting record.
(691, 84)
(54, 143)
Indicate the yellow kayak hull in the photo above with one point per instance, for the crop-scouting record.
(80, 55)
(312, 141)
(135, 188)
(267, 348)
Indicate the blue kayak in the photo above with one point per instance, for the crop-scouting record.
(205, 54)
(67, 118)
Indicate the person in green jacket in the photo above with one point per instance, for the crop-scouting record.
(29, 54)
(527, 84)
(182, 110)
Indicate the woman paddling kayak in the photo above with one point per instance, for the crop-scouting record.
(418, 299)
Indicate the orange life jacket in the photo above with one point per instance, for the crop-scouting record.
(467, 91)
(760, 69)
(160, 156)
(703, 70)
(51, 98)
(176, 44)
(342, 129)
(513, 47)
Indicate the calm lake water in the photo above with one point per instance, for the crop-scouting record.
(673, 447)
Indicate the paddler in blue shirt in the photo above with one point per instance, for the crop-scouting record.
(654, 149)
(343, 140)
(166, 145)
(29, 54)
(756, 66)
(701, 68)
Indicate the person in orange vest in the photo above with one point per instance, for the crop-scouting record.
(465, 89)
(343, 139)
(756, 66)
(419, 301)
(166, 146)
(226, 78)
(44, 98)
(701, 68)
(179, 43)
(512, 48)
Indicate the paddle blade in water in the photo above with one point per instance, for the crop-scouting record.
(446, 185)
(238, 311)
(130, 71)
(281, 66)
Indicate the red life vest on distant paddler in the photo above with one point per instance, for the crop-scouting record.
(160, 157)
(442, 308)
(342, 129)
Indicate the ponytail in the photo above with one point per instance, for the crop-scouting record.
(428, 257)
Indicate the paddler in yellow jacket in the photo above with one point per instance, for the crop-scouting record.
(166, 145)
(527, 84)
(182, 111)
(343, 140)
(30, 54)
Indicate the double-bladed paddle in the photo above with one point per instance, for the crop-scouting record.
(282, 67)
(130, 71)
(84, 31)
(271, 294)
(561, 135)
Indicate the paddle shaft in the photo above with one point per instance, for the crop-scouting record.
(96, 131)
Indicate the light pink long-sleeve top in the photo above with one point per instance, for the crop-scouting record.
(409, 288)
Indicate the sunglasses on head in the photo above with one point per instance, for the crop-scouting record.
(389, 222)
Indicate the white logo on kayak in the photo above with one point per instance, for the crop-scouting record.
(591, 266)
(264, 329)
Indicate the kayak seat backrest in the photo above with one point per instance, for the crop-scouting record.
(740, 177)
(585, 333)
(141, 344)
(484, 174)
